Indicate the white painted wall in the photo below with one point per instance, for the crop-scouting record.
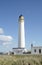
(18, 51)
(21, 35)
(37, 50)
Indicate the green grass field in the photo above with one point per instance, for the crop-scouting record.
(20, 59)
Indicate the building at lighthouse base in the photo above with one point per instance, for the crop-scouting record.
(18, 51)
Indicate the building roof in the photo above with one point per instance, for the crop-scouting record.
(37, 46)
(17, 48)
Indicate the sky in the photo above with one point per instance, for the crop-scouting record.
(10, 10)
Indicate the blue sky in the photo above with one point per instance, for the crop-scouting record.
(9, 14)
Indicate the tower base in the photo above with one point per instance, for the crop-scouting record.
(18, 51)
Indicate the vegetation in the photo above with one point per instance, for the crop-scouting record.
(20, 59)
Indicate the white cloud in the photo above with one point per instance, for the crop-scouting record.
(1, 31)
(6, 43)
(4, 39)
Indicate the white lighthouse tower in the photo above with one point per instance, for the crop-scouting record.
(21, 35)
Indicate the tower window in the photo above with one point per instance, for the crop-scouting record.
(39, 50)
(34, 50)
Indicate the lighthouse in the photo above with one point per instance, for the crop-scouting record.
(21, 32)
(21, 37)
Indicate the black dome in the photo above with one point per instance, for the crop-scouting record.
(20, 16)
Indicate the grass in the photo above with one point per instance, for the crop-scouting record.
(20, 59)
